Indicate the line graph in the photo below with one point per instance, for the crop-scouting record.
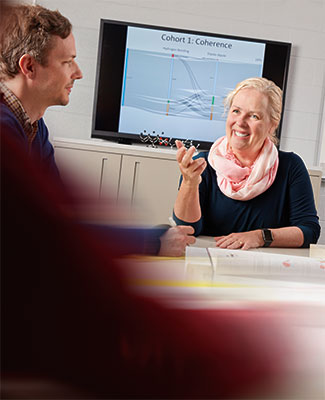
(182, 86)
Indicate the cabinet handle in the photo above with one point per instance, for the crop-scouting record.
(135, 179)
(104, 160)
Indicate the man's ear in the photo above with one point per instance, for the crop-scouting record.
(27, 66)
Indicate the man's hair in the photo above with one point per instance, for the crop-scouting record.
(28, 29)
(267, 87)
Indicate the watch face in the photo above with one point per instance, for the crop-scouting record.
(267, 235)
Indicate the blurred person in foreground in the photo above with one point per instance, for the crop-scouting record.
(244, 191)
(38, 70)
(71, 329)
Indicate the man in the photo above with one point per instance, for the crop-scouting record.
(38, 70)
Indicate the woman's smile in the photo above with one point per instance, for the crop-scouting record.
(240, 134)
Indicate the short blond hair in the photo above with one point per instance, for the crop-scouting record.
(270, 89)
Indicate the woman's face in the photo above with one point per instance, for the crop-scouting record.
(248, 122)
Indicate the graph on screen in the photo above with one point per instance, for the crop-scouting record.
(179, 88)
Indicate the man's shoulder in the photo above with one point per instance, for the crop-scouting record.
(7, 118)
(5, 111)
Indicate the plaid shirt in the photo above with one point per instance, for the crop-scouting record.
(18, 110)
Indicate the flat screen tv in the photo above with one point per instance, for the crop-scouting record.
(171, 83)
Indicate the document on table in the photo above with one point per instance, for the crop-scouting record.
(240, 262)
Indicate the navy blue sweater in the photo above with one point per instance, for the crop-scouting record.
(41, 149)
(289, 201)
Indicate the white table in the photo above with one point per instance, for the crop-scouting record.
(300, 304)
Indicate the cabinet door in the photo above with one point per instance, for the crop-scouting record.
(96, 173)
(149, 186)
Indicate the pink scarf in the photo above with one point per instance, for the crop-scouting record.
(243, 183)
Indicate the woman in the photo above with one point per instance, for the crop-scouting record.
(244, 191)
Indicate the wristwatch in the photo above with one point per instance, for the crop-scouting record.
(267, 237)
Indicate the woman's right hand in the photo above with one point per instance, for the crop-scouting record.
(190, 169)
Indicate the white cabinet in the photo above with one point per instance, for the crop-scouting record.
(150, 185)
(144, 180)
(92, 172)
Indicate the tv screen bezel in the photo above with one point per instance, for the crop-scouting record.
(272, 50)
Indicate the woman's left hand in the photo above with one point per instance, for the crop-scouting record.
(241, 240)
